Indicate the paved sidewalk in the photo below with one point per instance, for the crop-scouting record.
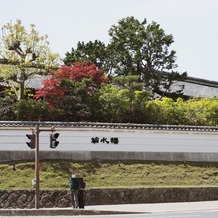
(158, 207)
(114, 209)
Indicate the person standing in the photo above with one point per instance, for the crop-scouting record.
(82, 186)
(74, 188)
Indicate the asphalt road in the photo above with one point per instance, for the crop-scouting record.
(129, 140)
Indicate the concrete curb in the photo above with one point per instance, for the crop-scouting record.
(29, 155)
(59, 212)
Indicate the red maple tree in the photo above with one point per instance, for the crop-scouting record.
(53, 92)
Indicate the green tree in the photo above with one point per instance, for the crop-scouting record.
(31, 110)
(170, 112)
(201, 111)
(135, 48)
(137, 97)
(113, 104)
(212, 115)
(92, 52)
(6, 108)
(24, 54)
(76, 103)
(142, 49)
(122, 105)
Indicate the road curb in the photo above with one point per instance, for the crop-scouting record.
(58, 212)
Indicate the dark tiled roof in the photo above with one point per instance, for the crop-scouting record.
(193, 87)
(36, 82)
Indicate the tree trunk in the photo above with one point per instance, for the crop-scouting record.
(21, 94)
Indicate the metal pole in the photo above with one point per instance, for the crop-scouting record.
(37, 168)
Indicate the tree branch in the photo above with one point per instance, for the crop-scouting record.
(5, 61)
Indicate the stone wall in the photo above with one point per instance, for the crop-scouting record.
(61, 198)
(12, 156)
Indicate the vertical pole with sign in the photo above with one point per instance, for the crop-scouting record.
(37, 168)
(34, 144)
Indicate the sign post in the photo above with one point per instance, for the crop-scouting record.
(36, 146)
(37, 167)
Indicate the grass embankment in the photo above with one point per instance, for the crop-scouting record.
(55, 175)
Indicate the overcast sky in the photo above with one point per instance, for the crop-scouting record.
(193, 24)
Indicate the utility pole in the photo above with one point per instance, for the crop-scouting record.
(37, 167)
(36, 144)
